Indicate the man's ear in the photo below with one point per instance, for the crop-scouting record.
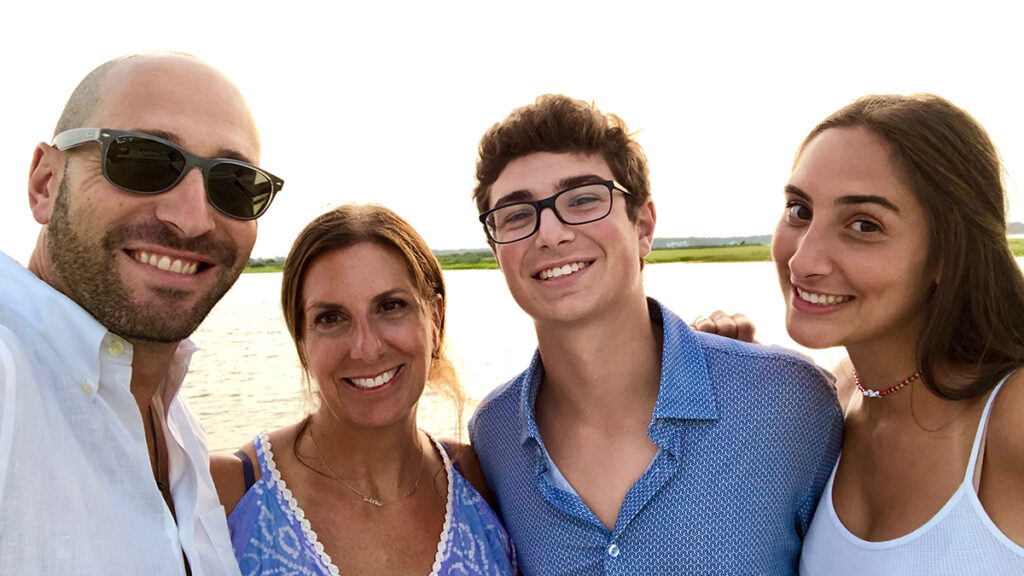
(44, 180)
(645, 227)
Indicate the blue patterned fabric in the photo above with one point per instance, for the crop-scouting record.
(746, 435)
(271, 536)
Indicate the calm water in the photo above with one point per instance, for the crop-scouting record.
(246, 376)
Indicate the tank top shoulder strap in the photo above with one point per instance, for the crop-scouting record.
(261, 443)
(451, 452)
(247, 471)
(974, 466)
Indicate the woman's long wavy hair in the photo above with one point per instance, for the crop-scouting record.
(975, 316)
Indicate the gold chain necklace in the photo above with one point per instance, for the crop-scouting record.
(368, 499)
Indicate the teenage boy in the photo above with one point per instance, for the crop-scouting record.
(631, 444)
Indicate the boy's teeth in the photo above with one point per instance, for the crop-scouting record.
(560, 271)
(375, 382)
(177, 266)
(821, 299)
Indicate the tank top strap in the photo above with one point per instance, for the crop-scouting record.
(247, 472)
(262, 447)
(974, 466)
(450, 451)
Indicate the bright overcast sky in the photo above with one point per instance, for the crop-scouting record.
(385, 101)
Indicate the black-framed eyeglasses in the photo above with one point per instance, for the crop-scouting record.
(580, 204)
(145, 164)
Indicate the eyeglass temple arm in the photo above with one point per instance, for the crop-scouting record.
(75, 137)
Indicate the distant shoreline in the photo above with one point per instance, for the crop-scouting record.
(484, 259)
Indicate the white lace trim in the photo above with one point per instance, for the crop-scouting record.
(297, 512)
(307, 529)
(442, 545)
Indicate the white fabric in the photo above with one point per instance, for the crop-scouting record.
(960, 540)
(77, 494)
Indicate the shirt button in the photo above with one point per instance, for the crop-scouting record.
(115, 348)
(614, 551)
(86, 388)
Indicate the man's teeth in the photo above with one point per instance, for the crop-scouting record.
(562, 270)
(821, 299)
(375, 382)
(178, 266)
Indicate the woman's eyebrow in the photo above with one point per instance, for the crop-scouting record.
(790, 189)
(848, 200)
(867, 199)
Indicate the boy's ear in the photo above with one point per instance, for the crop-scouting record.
(645, 227)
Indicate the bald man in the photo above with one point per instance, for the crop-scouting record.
(148, 199)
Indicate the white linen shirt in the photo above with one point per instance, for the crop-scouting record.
(77, 493)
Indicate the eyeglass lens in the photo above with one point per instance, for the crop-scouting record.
(573, 206)
(146, 166)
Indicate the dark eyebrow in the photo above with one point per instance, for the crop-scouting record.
(514, 196)
(790, 189)
(563, 184)
(579, 181)
(222, 153)
(867, 199)
(850, 200)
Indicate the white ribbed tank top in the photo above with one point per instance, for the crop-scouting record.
(960, 540)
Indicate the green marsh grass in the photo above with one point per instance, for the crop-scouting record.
(484, 260)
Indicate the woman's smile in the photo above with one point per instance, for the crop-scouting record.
(374, 382)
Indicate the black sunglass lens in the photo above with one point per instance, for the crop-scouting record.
(239, 190)
(143, 165)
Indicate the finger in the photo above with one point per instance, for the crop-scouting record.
(703, 324)
(724, 324)
(745, 328)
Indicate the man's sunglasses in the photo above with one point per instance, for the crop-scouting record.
(145, 164)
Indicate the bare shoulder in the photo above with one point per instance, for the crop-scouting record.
(1002, 477)
(1005, 430)
(465, 456)
(229, 475)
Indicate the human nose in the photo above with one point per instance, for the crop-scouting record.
(367, 345)
(810, 252)
(185, 206)
(551, 231)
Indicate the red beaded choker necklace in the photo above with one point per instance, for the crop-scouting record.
(883, 393)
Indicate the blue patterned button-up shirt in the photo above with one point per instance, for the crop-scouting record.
(747, 436)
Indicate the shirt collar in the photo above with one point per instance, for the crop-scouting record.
(178, 369)
(71, 333)
(685, 389)
(529, 385)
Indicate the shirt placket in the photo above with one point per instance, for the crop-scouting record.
(620, 550)
(115, 388)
